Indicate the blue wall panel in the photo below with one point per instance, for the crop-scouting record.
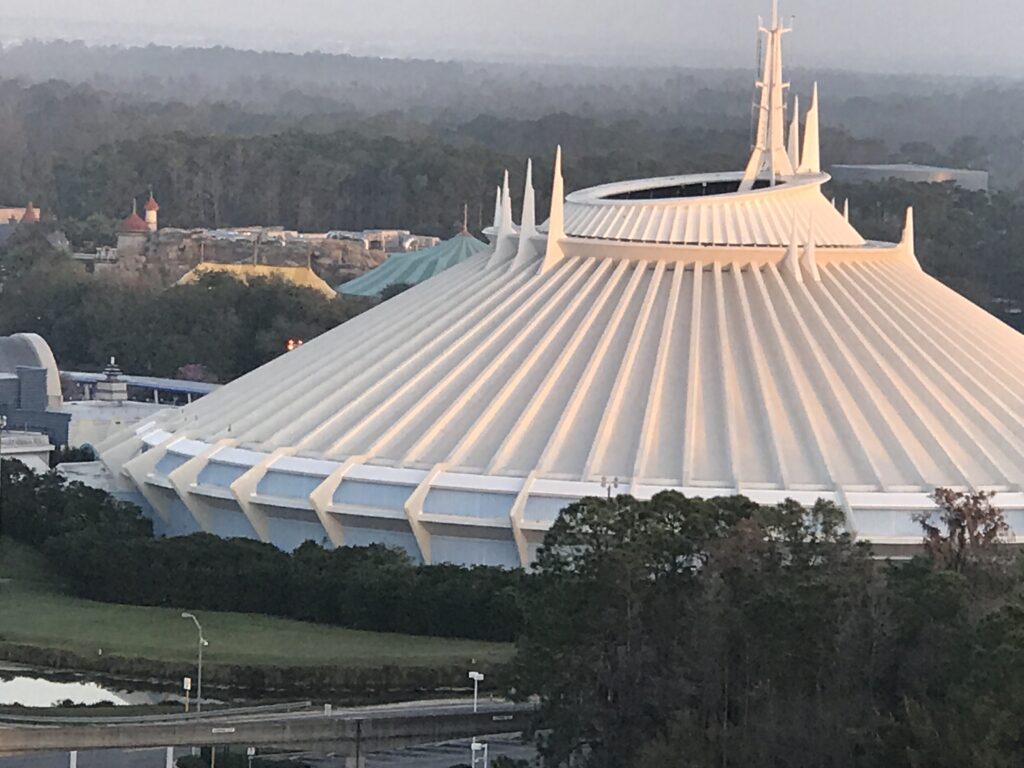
(287, 485)
(291, 534)
(467, 551)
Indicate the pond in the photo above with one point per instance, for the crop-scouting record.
(34, 688)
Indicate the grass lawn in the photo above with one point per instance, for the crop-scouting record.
(34, 611)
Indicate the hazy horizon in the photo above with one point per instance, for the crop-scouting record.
(920, 36)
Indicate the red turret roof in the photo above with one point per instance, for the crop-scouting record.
(151, 204)
(133, 224)
(30, 216)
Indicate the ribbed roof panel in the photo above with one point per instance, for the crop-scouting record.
(670, 373)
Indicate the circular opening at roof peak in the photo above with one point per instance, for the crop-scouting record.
(698, 188)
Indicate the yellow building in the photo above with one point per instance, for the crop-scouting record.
(301, 276)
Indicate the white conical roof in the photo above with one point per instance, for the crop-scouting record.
(679, 334)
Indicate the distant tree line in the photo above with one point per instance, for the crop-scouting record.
(333, 163)
(251, 91)
(103, 549)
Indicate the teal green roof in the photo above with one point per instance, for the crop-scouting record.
(414, 267)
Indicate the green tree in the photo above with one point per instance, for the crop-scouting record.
(717, 632)
(392, 290)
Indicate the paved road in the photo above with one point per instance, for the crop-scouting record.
(236, 713)
(431, 756)
(435, 755)
(274, 712)
(375, 728)
(93, 758)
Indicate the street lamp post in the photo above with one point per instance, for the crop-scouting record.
(3, 426)
(199, 674)
(476, 677)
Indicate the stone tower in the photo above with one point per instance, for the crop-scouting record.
(152, 207)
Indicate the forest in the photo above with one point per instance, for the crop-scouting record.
(231, 138)
(700, 633)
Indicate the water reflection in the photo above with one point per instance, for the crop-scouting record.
(41, 692)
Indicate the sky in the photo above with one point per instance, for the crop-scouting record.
(923, 36)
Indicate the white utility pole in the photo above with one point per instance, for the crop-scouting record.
(199, 674)
(476, 677)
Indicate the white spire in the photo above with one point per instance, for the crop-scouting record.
(769, 152)
(556, 220)
(528, 226)
(810, 160)
(846, 209)
(497, 207)
(504, 247)
(794, 134)
(529, 220)
(505, 225)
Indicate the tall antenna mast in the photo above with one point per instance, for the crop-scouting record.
(769, 152)
(754, 97)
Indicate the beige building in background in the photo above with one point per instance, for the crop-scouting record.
(304, 277)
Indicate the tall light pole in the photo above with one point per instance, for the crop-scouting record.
(199, 675)
(3, 426)
(476, 677)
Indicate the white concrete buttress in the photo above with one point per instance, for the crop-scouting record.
(907, 239)
(186, 476)
(244, 487)
(810, 258)
(791, 260)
